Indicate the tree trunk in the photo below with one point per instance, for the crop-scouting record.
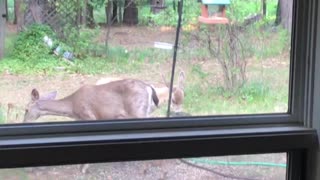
(18, 13)
(284, 14)
(6, 7)
(278, 17)
(264, 8)
(89, 15)
(112, 11)
(115, 12)
(130, 15)
(16, 9)
(2, 29)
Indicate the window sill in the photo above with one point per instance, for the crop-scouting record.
(34, 150)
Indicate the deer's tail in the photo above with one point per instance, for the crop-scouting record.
(155, 97)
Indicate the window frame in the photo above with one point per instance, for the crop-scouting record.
(295, 132)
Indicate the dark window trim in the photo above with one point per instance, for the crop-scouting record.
(300, 67)
(150, 124)
(145, 145)
(33, 145)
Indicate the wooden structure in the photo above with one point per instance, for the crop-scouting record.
(214, 12)
(157, 6)
(45, 12)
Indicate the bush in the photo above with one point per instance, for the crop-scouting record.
(29, 45)
(254, 91)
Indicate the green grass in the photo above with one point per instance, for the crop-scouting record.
(2, 115)
(16, 173)
(252, 99)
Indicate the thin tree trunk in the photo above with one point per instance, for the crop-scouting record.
(2, 29)
(264, 8)
(108, 11)
(284, 14)
(18, 13)
(6, 7)
(115, 12)
(130, 15)
(109, 22)
(85, 13)
(90, 18)
(278, 18)
(16, 9)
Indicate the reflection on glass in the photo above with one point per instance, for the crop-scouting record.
(254, 167)
(241, 67)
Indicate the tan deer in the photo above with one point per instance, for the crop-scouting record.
(120, 99)
(162, 92)
(177, 97)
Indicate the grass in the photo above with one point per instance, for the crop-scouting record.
(17, 173)
(2, 115)
(251, 99)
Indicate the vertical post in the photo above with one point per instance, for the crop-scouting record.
(3, 16)
(204, 11)
(7, 15)
(264, 8)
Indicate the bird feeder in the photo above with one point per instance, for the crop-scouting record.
(157, 6)
(213, 11)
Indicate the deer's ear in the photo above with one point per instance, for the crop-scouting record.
(34, 95)
(181, 79)
(50, 96)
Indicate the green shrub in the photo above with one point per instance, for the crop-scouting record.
(254, 91)
(29, 45)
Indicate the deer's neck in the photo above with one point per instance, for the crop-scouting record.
(61, 107)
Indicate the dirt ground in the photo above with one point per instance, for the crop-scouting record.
(15, 93)
(155, 170)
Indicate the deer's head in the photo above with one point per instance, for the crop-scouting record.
(33, 110)
(178, 93)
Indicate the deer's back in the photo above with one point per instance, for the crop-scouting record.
(119, 99)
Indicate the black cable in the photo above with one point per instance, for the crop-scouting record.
(180, 6)
(214, 172)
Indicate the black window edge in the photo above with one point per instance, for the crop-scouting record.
(303, 33)
(142, 124)
(146, 145)
(301, 145)
(302, 60)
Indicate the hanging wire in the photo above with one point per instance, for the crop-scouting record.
(215, 171)
(180, 6)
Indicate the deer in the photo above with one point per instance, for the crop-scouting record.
(120, 99)
(107, 80)
(178, 94)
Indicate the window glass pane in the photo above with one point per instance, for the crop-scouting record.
(264, 166)
(232, 59)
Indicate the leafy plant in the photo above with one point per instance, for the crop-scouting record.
(30, 46)
(254, 91)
